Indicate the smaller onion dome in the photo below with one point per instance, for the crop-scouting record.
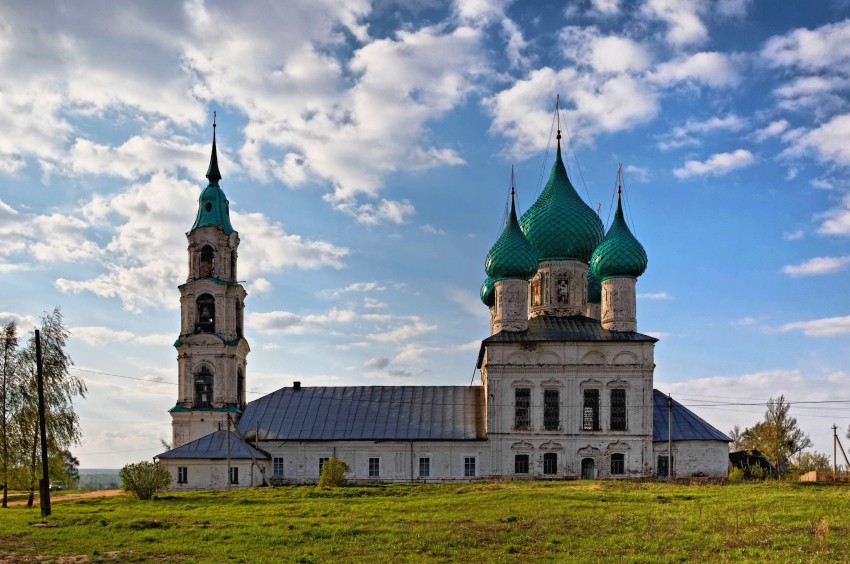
(619, 255)
(488, 292)
(512, 256)
(594, 288)
(213, 207)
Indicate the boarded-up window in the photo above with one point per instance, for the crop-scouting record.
(618, 410)
(550, 463)
(590, 413)
(522, 408)
(521, 464)
(618, 463)
(551, 410)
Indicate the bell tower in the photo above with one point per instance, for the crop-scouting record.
(211, 349)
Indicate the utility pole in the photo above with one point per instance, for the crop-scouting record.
(834, 451)
(228, 448)
(669, 437)
(44, 483)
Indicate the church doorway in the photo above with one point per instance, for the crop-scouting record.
(587, 469)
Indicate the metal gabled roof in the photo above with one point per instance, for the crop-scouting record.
(214, 445)
(687, 425)
(368, 413)
(575, 328)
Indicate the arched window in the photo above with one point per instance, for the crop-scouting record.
(205, 319)
(203, 387)
(207, 262)
(240, 383)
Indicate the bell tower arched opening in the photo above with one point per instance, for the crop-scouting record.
(240, 385)
(207, 266)
(203, 387)
(205, 305)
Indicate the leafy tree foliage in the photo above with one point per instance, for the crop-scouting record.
(333, 473)
(143, 479)
(21, 427)
(8, 349)
(808, 461)
(777, 437)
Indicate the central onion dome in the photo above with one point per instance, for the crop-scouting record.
(559, 225)
(620, 255)
(512, 256)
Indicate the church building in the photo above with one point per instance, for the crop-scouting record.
(566, 380)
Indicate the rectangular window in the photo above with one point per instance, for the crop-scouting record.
(469, 466)
(551, 410)
(618, 463)
(182, 474)
(521, 464)
(522, 408)
(277, 467)
(618, 410)
(374, 467)
(424, 467)
(662, 469)
(322, 461)
(234, 475)
(550, 463)
(590, 413)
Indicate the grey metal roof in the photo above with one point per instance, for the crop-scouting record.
(553, 328)
(368, 413)
(687, 425)
(214, 445)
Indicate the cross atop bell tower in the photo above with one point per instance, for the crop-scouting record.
(212, 349)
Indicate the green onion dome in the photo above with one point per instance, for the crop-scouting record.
(213, 207)
(512, 256)
(488, 292)
(619, 255)
(594, 288)
(559, 225)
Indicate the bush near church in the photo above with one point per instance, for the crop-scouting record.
(143, 479)
(333, 473)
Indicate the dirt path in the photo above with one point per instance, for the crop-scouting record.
(55, 498)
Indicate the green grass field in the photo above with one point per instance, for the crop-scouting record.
(576, 521)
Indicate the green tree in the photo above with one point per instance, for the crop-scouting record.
(333, 473)
(8, 349)
(777, 437)
(60, 388)
(143, 479)
(808, 461)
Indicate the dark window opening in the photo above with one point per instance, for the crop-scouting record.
(374, 467)
(424, 467)
(206, 314)
(207, 262)
(551, 410)
(590, 413)
(239, 309)
(522, 408)
(550, 463)
(322, 464)
(618, 410)
(277, 467)
(587, 469)
(233, 266)
(662, 468)
(182, 474)
(234, 475)
(240, 384)
(618, 463)
(469, 466)
(203, 387)
(208, 206)
(521, 464)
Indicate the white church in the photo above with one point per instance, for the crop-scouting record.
(566, 380)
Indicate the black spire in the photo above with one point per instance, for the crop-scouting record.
(212, 172)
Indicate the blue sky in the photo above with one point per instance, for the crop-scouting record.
(366, 150)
